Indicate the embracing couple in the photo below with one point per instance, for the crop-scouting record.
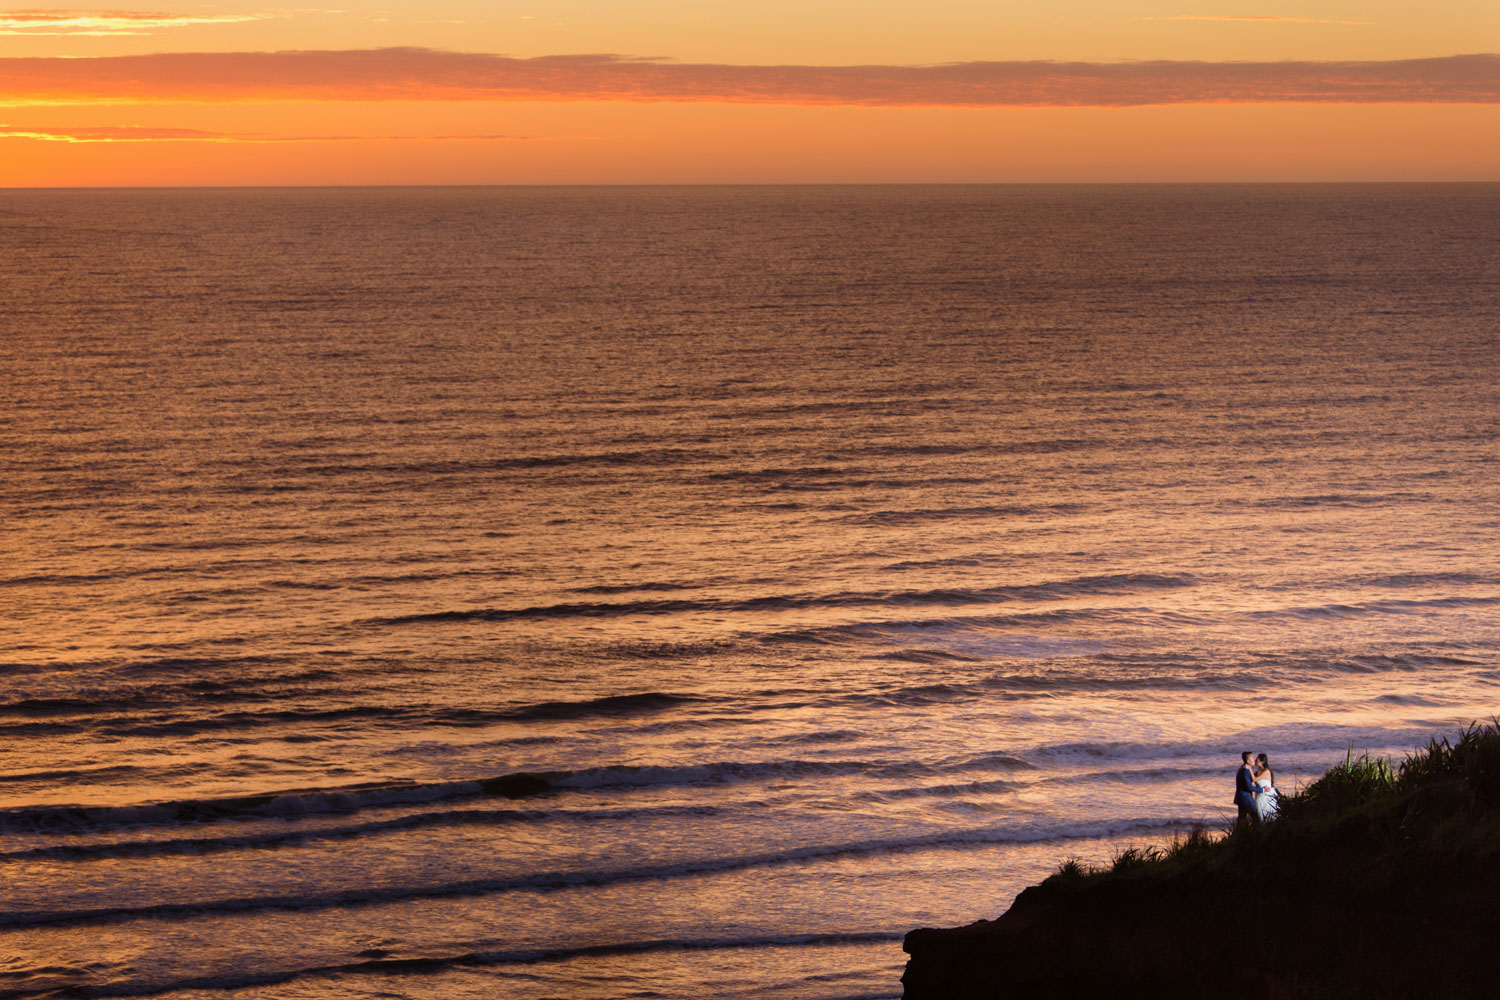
(1255, 789)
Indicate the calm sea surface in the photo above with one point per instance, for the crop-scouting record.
(685, 592)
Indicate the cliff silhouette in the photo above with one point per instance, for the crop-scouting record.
(1377, 880)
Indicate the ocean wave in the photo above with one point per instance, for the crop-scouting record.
(1169, 676)
(642, 703)
(364, 715)
(950, 790)
(73, 774)
(151, 666)
(645, 457)
(1188, 679)
(1232, 672)
(128, 721)
(927, 656)
(630, 588)
(968, 561)
(793, 480)
(969, 838)
(902, 517)
(272, 840)
(1401, 580)
(48, 707)
(121, 717)
(904, 629)
(1331, 611)
(783, 474)
(1408, 700)
(825, 736)
(1330, 740)
(55, 579)
(294, 803)
(288, 804)
(1109, 585)
(1371, 662)
(331, 567)
(722, 773)
(134, 694)
(646, 649)
(1043, 446)
(1328, 500)
(85, 982)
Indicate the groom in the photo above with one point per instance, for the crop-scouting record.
(1244, 789)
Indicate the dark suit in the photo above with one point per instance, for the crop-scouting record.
(1244, 795)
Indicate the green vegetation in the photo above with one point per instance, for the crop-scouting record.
(1443, 800)
(1378, 880)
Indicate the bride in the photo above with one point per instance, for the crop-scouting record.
(1267, 800)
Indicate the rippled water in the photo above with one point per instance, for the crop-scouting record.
(677, 592)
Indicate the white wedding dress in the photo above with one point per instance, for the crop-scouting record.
(1267, 803)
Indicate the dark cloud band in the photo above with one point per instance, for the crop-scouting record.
(426, 74)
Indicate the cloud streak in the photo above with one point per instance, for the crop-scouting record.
(1261, 19)
(412, 74)
(145, 133)
(105, 22)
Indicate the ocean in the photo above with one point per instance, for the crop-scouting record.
(684, 592)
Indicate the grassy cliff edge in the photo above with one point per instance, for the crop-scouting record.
(1378, 880)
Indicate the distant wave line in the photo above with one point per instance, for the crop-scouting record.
(297, 803)
(134, 725)
(896, 628)
(1114, 584)
(571, 879)
(125, 717)
(381, 965)
(307, 835)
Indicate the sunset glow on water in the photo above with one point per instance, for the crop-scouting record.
(585, 592)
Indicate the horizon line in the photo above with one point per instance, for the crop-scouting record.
(744, 184)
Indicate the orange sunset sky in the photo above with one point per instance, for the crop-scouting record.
(671, 91)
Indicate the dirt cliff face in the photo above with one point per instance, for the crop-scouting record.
(1373, 884)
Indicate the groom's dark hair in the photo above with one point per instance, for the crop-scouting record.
(1246, 755)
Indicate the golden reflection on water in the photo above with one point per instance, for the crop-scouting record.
(636, 588)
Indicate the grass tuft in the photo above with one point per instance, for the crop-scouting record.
(1354, 783)
(1473, 761)
(1442, 800)
(1134, 858)
(1073, 870)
